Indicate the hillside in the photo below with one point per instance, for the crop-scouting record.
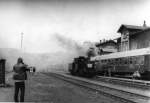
(47, 61)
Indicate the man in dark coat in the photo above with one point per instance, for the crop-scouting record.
(19, 77)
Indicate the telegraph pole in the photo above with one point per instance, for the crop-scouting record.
(21, 40)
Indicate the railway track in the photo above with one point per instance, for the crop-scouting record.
(139, 84)
(115, 93)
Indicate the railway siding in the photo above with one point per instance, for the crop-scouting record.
(139, 84)
(122, 94)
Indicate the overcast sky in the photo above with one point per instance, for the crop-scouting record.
(79, 20)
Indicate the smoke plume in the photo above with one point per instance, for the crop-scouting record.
(70, 45)
(48, 61)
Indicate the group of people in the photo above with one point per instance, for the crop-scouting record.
(19, 76)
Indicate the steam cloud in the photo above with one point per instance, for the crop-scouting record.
(48, 61)
(69, 45)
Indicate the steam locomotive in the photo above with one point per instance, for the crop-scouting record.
(131, 63)
(82, 66)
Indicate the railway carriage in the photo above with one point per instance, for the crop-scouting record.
(124, 63)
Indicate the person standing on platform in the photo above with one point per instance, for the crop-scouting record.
(19, 77)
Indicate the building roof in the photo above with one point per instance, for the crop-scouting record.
(106, 42)
(148, 29)
(132, 27)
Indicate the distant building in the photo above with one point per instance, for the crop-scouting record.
(106, 47)
(133, 37)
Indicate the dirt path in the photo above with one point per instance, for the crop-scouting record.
(42, 88)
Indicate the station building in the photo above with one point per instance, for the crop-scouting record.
(106, 47)
(133, 37)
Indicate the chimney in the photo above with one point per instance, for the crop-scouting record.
(144, 25)
(100, 41)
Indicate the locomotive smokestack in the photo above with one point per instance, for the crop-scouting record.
(91, 52)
